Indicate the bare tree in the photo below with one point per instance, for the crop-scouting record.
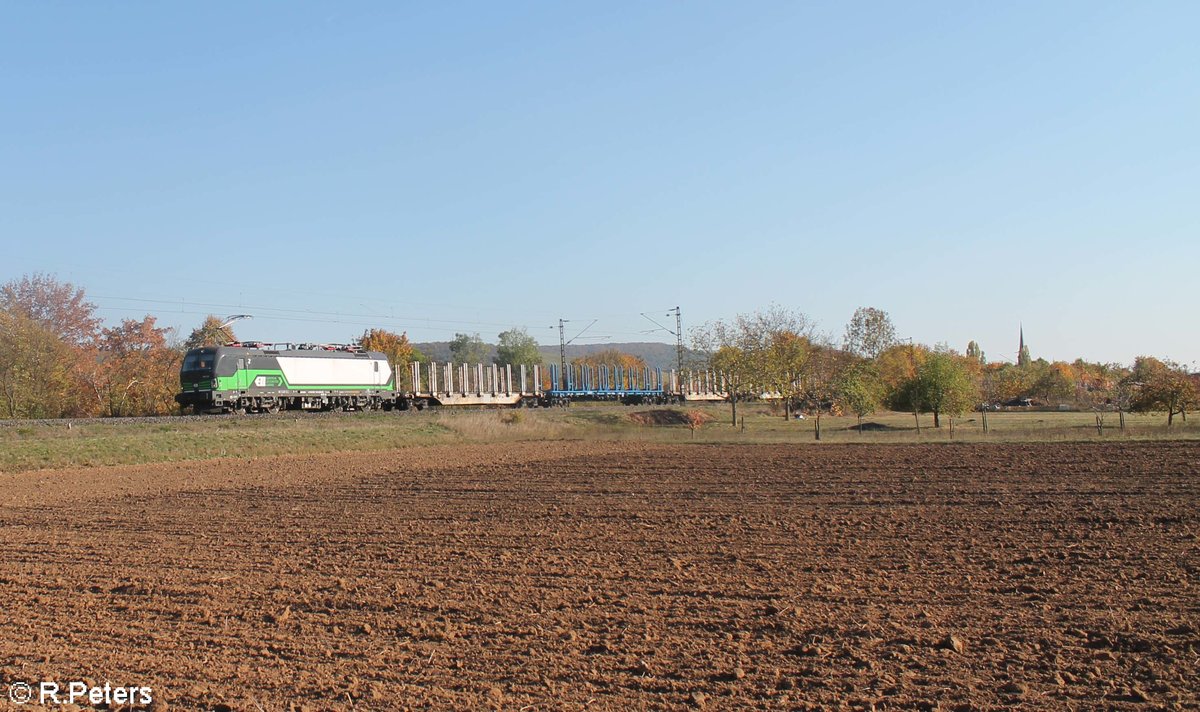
(763, 351)
(869, 333)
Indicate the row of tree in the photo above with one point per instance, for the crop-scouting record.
(57, 359)
(777, 353)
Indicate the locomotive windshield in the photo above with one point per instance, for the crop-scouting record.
(198, 361)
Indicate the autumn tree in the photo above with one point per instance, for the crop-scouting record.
(819, 392)
(38, 370)
(785, 362)
(778, 345)
(1162, 385)
(898, 367)
(613, 359)
(718, 342)
(1054, 382)
(736, 368)
(695, 419)
(468, 348)
(59, 307)
(1093, 383)
(212, 332)
(136, 373)
(1010, 382)
(610, 357)
(400, 353)
(1097, 389)
(50, 334)
(516, 347)
(869, 333)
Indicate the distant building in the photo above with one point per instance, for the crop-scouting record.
(1023, 350)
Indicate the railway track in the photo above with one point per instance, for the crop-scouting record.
(165, 419)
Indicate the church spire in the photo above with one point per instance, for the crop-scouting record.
(1023, 350)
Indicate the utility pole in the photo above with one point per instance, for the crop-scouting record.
(679, 341)
(562, 354)
(562, 344)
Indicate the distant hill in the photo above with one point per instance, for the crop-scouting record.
(656, 355)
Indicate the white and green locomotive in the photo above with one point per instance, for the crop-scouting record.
(265, 379)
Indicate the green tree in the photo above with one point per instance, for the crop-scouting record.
(944, 386)
(1023, 357)
(468, 348)
(869, 333)
(860, 390)
(209, 333)
(737, 368)
(516, 347)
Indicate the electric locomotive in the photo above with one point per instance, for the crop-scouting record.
(262, 378)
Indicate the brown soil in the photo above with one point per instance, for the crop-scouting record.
(618, 576)
(666, 416)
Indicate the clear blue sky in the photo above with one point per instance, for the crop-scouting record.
(441, 167)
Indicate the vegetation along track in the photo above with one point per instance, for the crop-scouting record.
(618, 576)
(169, 419)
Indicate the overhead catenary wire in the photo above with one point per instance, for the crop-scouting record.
(261, 309)
(266, 314)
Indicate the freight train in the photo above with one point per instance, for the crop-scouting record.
(253, 377)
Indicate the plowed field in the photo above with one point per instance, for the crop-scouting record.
(617, 576)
